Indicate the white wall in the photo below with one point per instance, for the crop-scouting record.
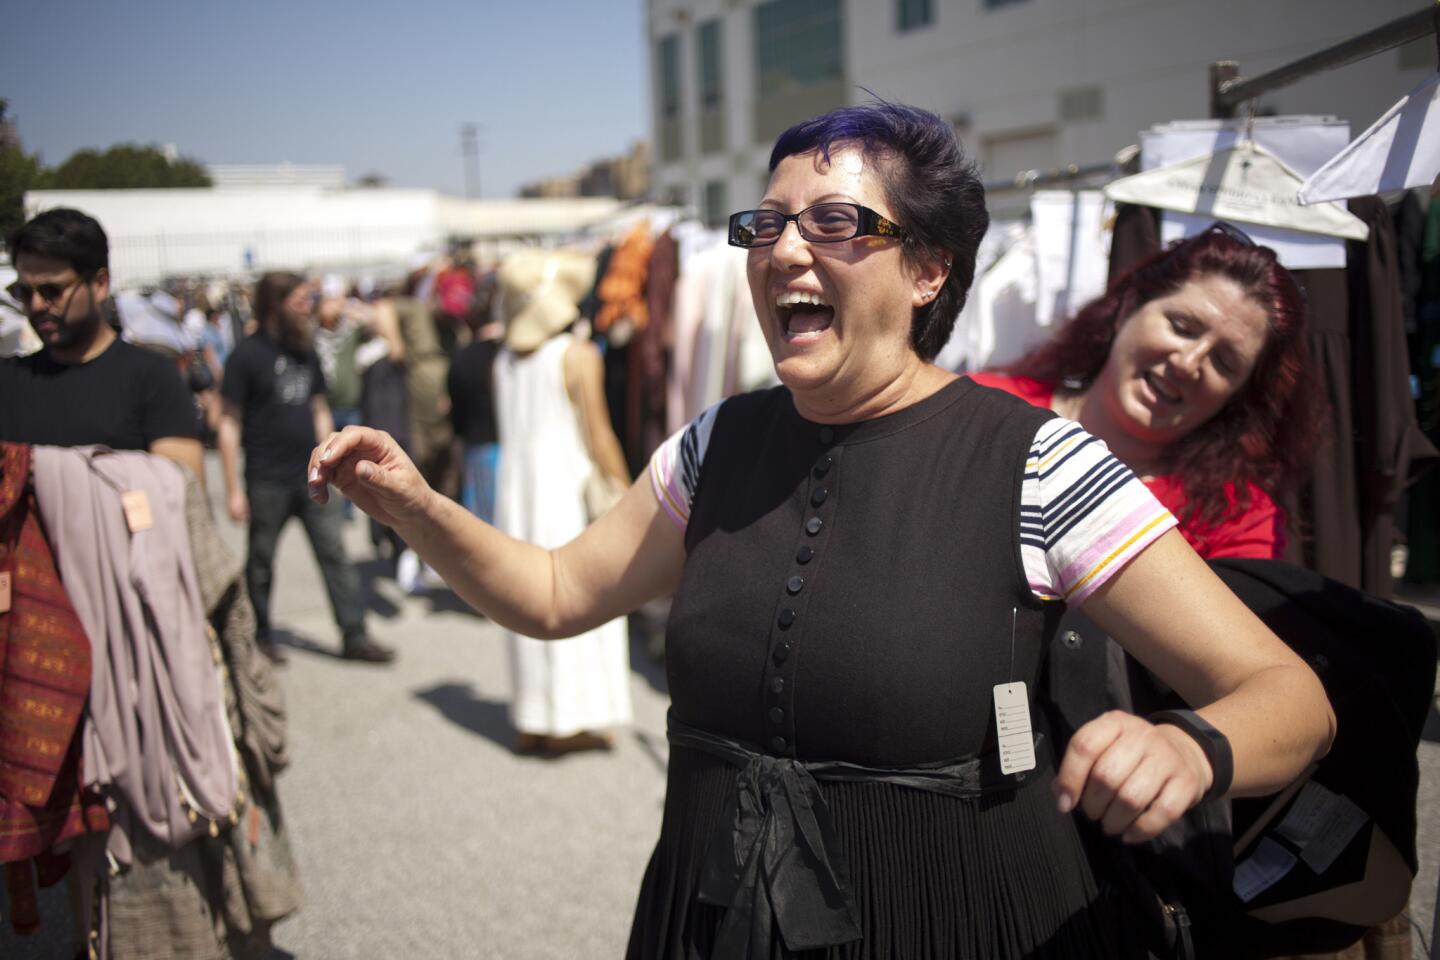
(160, 233)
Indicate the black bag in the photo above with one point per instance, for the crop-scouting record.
(1354, 812)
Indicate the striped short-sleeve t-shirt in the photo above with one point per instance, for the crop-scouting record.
(1083, 513)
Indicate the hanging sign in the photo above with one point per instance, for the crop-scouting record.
(1244, 184)
(1400, 150)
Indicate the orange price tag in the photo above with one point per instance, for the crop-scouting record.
(137, 510)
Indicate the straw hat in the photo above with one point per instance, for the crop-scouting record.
(540, 294)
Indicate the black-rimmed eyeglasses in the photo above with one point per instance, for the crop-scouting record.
(822, 223)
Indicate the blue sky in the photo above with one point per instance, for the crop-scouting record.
(377, 87)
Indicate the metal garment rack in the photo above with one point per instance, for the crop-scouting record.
(1031, 179)
(1228, 90)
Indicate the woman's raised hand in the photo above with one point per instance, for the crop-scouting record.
(369, 467)
(1131, 776)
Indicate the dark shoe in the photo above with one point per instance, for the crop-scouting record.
(577, 743)
(367, 651)
(529, 744)
(271, 649)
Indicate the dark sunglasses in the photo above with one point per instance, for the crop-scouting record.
(822, 223)
(1228, 230)
(22, 293)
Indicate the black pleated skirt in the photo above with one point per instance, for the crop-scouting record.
(933, 876)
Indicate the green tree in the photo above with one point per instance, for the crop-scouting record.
(18, 173)
(125, 165)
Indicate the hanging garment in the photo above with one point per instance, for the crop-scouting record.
(562, 687)
(219, 895)
(1302, 144)
(155, 735)
(622, 287)
(1072, 251)
(1400, 150)
(1391, 450)
(1003, 317)
(1245, 184)
(960, 351)
(44, 679)
(650, 354)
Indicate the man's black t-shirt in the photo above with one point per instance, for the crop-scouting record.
(472, 399)
(272, 387)
(126, 398)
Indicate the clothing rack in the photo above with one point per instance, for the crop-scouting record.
(1228, 90)
(1031, 179)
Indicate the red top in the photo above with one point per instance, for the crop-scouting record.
(1258, 531)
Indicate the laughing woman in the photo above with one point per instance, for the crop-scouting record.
(1193, 369)
(858, 615)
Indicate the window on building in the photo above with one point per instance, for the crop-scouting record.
(913, 14)
(667, 78)
(717, 204)
(711, 84)
(797, 44)
(799, 63)
(707, 39)
(1082, 103)
(668, 56)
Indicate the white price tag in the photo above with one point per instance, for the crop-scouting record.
(1321, 824)
(1263, 870)
(1012, 728)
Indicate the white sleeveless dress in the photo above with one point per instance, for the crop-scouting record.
(561, 686)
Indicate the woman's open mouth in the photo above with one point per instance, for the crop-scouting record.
(803, 316)
(1162, 392)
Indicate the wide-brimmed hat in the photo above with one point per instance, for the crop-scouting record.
(540, 294)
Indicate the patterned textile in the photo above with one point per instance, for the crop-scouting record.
(622, 289)
(44, 679)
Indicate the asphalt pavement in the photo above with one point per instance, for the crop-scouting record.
(420, 834)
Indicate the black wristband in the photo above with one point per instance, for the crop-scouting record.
(1212, 741)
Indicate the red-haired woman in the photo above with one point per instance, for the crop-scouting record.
(1193, 369)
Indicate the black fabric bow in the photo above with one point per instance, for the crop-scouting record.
(777, 862)
(782, 865)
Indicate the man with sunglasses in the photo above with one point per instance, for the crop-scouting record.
(86, 385)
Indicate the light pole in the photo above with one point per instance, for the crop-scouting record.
(470, 150)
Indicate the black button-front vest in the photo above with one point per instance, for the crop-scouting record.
(850, 591)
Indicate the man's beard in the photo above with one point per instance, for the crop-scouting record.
(296, 334)
(66, 333)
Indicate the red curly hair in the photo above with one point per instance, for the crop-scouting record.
(1266, 434)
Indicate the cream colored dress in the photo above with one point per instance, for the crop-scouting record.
(561, 686)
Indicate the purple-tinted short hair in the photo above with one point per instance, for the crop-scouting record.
(932, 187)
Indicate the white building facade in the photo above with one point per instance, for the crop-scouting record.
(1027, 83)
(239, 231)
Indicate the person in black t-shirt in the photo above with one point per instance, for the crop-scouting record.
(273, 399)
(86, 386)
(472, 412)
